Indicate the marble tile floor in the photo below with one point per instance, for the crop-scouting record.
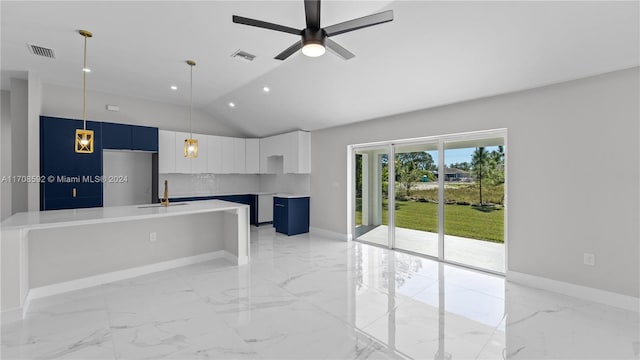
(306, 297)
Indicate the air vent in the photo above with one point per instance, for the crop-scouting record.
(41, 51)
(243, 55)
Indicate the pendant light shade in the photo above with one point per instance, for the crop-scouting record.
(84, 137)
(190, 144)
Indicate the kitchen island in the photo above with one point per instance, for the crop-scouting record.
(50, 252)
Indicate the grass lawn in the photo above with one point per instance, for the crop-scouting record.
(482, 223)
(459, 220)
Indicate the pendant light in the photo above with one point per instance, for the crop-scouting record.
(84, 137)
(191, 144)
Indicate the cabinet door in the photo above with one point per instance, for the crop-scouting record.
(214, 154)
(144, 138)
(228, 155)
(183, 164)
(304, 152)
(239, 155)
(116, 136)
(166, 152)
(280, 218)
(69, 169)
(252, 156)
(200, 164)
(267, 149)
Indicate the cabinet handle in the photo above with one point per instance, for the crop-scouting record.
(74, 192)
(279, 205)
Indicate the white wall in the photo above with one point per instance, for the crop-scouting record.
(5, 151)
(19, 142)
(573, 174)
(66, 102)
(34, 109)
(136, 167)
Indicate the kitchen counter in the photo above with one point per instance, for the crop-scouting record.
(290, 196)
(73, 217)
(45, 253)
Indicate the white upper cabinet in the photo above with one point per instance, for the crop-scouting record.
(287, 153)
(228, 156)
(199, 165)
(239, 152)
(183, 164)
(166, 152)
(252, 156)
(214, 158)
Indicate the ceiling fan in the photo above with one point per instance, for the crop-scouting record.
(315, 38)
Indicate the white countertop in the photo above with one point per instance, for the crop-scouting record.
(290, 196)
(72, 217)
(173, 196)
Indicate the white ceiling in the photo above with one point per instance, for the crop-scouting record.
(433, 53)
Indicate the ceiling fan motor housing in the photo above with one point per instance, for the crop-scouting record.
(310, 36)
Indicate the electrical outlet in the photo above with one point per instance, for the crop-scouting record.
(589, 259)
(153, 236)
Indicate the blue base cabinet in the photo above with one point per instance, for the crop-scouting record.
(249, 199)
(291, 215)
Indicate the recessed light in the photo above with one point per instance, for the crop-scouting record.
(232, 104)
(266, 89)
(173, 87)
(87, 70)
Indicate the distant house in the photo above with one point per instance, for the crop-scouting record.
(453, 174)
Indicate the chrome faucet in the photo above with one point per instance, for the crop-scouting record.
(165, 198)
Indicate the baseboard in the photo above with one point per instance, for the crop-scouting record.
(96, 280)
(582, 292)
(328, 234)
(12, 315)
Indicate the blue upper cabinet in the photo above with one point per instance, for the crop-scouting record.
(144, 138)
(68, 175)
(116, 136)
(129, 137)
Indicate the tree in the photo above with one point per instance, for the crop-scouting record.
(461, 166)
(480, 165)
(496, 169)
(410, 167)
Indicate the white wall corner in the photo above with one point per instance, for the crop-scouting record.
(34, 109)
(578, 291)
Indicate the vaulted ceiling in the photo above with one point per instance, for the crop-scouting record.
(433, 53)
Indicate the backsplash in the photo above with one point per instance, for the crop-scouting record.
(285, 183)
(208, 184)
(223, 184)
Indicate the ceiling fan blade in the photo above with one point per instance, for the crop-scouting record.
(359, 23)
(289, 51)
(339, 50)
(265, 25)
(312, 14)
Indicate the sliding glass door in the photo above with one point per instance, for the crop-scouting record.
(474, 203)
(371, 195)
(416, 198)
(441, 196)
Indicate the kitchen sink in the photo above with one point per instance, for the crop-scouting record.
(159, 205)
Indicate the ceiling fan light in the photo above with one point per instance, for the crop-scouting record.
(313, 49)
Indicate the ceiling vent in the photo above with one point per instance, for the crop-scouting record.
(243, 55)
(42, 51)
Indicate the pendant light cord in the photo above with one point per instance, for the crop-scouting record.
(84, 86)
(190, 102)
